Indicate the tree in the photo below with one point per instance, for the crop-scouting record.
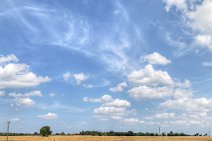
(45, 131)
(197, 134)
(163, 134)
(170, 134)
(35, 133)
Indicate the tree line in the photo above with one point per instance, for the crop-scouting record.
(131, 133)
(45, 131)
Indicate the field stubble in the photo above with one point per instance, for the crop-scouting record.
(102, 138)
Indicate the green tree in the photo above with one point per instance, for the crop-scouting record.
(163, 134)
(45, 131)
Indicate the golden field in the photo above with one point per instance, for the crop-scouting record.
(102, 138)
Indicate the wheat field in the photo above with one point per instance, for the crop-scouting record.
(102, 138)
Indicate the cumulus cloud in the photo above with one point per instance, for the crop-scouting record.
(102, 99)
(8, 58)
(162, 115)
(118, 103)
(132, 121)
(119, 88)
(150, 76)
(200, 118)
(188, 104)
(110, 108)
(204, 40)
(197, 16)
(28, 94)
(78, 77)
(158, 92)
(26, 101)
(151, 83)
(179, 4)
(112, 112)
(16, 75)
(23, 99)
(156, 58)
(49, 116)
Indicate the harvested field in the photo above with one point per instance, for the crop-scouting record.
(102, 138)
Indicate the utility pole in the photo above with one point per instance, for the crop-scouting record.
(159, 131)
(8, 129)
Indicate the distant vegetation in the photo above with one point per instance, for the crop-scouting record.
(45, 131)
(130, 133)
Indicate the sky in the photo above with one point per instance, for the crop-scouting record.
(106, 65)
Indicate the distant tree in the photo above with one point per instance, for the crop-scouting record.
(45, 131)
(176, 134)
(35, 133)
(197, 134)
(62, 133)
(170, 134)
(163, 134)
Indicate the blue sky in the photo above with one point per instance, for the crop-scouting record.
(106, 65)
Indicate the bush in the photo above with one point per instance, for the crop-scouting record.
(45, 131)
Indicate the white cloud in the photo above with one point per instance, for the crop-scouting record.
(8, 58)
(24, 102)
(80, 77)
(150, 76)
(197, 16)
(157, 92)
(179, 4)
(162, 115)
(23, 99)
(66, 76)
(102, 99)
(156, 58)
(132, 121)
(111, 112)
(117, 103)
(200, 18)
(204, 40)
(185, 84)
(188, 104)
(49, 116)
(154, 84)
(14, 119)
(111, 108)
(2, 93)
(119, 88)
(15, 75)
(200, 118)
(28, 94)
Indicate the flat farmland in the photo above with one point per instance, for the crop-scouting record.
(102, 138)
